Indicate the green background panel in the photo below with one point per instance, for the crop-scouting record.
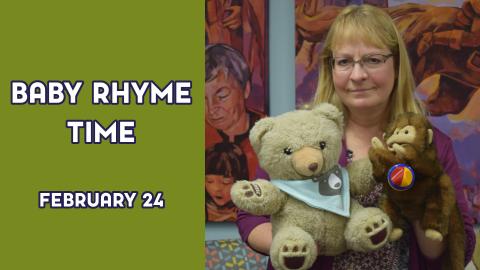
(102, 40)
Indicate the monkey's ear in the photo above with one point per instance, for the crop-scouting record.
(430, 136)
(384, 134)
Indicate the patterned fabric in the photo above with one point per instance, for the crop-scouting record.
(232, 254)
(370, 199)
(393, 255)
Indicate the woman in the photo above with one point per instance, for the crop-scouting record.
(366, 72)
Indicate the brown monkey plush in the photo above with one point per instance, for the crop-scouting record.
(431, 197)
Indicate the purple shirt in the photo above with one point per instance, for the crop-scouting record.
(247, 222)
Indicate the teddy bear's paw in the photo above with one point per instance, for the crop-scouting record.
(258, 197)
(246, 194)
(433, 235)
(395, 234)
(377, 232)
(293, 255)
(368, 229)
(251, 189)
(293, 248)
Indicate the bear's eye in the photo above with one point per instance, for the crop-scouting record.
(406, 131)
(323, 145)
(287, 151)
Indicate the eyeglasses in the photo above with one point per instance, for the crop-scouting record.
(369, 61)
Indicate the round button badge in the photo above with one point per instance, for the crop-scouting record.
(401, 177)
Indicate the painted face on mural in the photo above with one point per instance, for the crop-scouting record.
(218, 187)
(225, 104)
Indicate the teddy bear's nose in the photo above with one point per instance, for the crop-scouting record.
(313, 167)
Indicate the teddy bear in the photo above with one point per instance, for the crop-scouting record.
(416, 186)
(300, 152)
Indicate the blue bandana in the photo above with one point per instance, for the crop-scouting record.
(329, 191)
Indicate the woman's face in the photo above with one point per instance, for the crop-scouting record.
(218, 186)
(363, 87)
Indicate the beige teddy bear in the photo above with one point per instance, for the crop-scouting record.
(303, 147)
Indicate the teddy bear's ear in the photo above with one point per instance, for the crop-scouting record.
(260, 128)
(331, 112)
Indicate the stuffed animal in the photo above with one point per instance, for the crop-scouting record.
(430, 199)
(310, 213)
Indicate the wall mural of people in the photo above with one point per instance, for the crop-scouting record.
(235, 95)
(443, 40)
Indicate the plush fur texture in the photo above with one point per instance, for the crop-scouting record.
(300, 145)
(431, 200)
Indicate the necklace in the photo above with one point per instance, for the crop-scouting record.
(349, 155)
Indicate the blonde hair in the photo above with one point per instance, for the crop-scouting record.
(374, 27)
